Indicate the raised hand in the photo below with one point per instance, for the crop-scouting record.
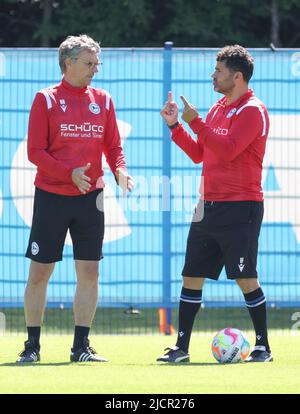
(189, 110)
(170, 110)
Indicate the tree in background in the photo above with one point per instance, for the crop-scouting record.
(134, 23)
(27, 23)
(285, 27)
(114, 23)
(214, 23)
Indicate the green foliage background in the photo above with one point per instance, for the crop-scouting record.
(136, 23)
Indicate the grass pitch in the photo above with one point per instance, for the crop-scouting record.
(132, 368)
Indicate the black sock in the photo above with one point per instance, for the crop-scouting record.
(79, 333)
(34, 332)
(256, 304)
(190, 301)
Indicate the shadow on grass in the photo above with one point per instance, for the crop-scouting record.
(57, 364)
(188, 364)
(39, 364)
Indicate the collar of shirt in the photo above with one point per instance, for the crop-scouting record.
(73, 89)
(237, 102)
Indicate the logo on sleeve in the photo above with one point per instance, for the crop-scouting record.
(63, 104)
(94, 108)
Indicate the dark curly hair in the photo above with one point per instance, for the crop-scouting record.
(237, 59)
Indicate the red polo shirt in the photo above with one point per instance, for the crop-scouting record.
(231, 144)
(69, 127)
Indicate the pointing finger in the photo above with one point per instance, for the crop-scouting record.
(185, 102)
(170, 96)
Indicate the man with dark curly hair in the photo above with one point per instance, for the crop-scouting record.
(227, 221)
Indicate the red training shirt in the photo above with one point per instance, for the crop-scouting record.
(231, 144)
(69, 127)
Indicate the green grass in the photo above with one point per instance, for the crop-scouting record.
(132, 368)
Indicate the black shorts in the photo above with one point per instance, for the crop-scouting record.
(227, 235)
(54, 215)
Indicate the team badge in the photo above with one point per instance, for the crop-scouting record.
(34, 248)
(95, 108)
(231, 112)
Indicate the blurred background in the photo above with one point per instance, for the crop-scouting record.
(141, 23)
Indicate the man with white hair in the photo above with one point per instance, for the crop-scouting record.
(70, 126)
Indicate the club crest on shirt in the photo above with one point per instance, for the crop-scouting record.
(95, 108)
(231, 112)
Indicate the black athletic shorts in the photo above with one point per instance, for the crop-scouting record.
(226, 235)
(54, 215)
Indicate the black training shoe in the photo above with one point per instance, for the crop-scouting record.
(174, 355)
(259, 355)
(30, 354)
(86, 354)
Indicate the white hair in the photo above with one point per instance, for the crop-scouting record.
(73, 45)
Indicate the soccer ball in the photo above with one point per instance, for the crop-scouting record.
(230, 345)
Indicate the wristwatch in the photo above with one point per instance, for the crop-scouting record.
(173, 126)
